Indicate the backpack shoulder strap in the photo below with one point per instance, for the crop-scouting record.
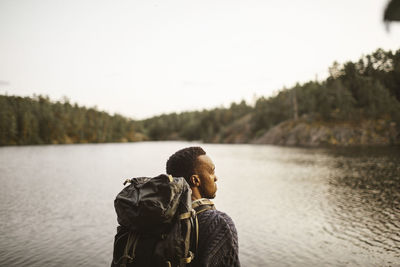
(200, 205)
(203, 204)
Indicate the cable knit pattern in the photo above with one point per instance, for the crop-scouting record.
(218, 242)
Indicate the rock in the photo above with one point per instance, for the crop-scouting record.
(318, 133)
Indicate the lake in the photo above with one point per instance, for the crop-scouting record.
(291, 206)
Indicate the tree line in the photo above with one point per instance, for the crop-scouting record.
(354, 91)
(37, 120)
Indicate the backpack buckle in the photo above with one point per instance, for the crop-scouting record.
(188, 259)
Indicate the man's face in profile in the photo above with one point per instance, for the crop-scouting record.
(205, 169)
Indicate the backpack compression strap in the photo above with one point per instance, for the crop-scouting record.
(187, 216)
(133, 238)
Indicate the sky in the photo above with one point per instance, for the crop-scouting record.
(141, 58)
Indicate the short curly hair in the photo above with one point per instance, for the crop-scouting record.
(183, 162)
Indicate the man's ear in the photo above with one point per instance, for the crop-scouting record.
(195, 180)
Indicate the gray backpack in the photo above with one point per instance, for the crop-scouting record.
(157, 225)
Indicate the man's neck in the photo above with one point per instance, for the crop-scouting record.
(196, 193)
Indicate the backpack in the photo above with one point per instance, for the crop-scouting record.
(157, 224)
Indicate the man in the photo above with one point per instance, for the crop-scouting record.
(218, 243)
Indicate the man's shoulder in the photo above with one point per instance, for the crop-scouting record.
(225, 217)
(216, 214)
(217, 217)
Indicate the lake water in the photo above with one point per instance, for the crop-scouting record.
(291, 206)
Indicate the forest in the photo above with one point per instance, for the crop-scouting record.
(38, 120)
(368, 89)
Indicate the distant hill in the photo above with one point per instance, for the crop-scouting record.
(358, 104)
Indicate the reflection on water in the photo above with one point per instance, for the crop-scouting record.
(291, 206)
(364, 199)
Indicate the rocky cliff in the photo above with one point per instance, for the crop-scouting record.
(316, 133)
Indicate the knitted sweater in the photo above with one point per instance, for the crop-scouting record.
(218, 242)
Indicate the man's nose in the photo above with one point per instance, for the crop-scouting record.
(215, 178)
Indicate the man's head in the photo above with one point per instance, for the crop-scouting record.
(197, 168)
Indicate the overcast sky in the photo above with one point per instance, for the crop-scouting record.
(142, 57)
